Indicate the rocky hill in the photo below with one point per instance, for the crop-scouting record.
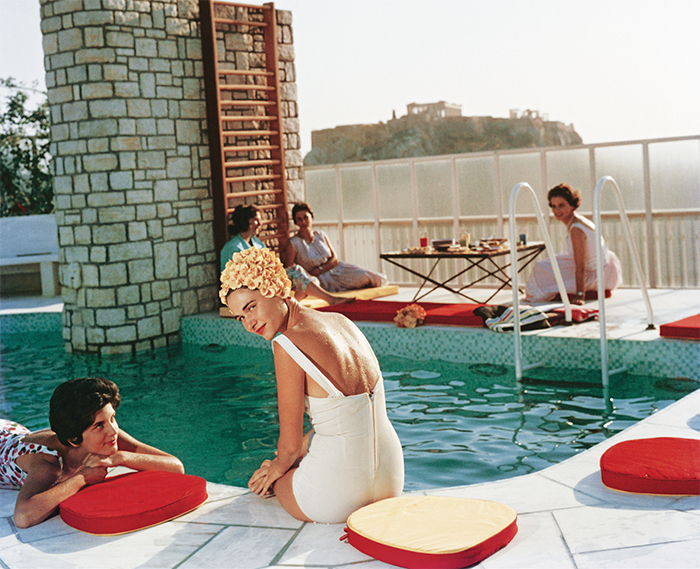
(420, 135)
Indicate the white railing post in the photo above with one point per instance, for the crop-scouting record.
(514, 269)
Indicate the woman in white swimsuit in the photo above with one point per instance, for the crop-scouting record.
(578, 264)
(51, 465)
(326, 367)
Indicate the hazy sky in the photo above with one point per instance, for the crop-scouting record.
(616, 69)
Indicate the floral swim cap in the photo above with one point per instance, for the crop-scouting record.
(258, 269)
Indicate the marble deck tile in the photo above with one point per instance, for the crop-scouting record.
(240, 548)
(688, 504)
(590, 529)
(672, 555)
(8, 538)
(162, 546)
(7, 502)
(525, 494)
(320, 545)
(245, 510)
(596, 493)
(538, 543)
(53, 527)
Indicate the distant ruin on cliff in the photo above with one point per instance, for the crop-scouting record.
(436, 129)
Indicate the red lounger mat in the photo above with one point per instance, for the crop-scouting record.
(663, 465)
(133, 501)
(590, 295)
(385, 310)
(685, 329)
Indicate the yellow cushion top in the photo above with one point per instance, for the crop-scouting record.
(431, 524)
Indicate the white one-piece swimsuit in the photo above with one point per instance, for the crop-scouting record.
(355, 457)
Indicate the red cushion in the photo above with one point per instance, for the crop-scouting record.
(579, 313)
(133, 501)
(686, 329)
(385, 310)
(663, 465)
(590, 295)
(435, 532)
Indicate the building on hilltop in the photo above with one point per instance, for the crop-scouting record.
(434, 129)
(438, 110)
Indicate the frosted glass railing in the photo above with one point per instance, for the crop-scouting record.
(608, 180)
(514, 271)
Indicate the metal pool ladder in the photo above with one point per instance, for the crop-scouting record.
(608, 180)
(605, 180)
(514, 272)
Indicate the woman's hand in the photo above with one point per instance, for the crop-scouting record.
(264, 477)
(94, 468)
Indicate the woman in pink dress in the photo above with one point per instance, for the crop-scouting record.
(578, 264)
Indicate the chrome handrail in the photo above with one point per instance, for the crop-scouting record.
(601, 277)
(514, 270)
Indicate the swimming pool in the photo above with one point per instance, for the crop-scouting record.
(214, 407)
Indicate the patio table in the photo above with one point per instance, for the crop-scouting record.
(485, 261)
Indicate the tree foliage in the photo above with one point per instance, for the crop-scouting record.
(25, 173)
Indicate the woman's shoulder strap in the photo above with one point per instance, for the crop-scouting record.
(307, 365)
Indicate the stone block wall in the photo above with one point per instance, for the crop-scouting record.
(132, 187)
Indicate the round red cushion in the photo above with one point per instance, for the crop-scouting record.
(664, 465)
(133, 501)
(435, 532)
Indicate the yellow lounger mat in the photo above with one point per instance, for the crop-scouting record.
(431, 531)
(362, 294)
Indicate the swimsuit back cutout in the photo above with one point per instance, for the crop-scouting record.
(308, 366)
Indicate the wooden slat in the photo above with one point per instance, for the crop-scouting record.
(237, 149)
(250, 163)
(240, 22)
(248, 118)
(249, 132)
(245, 72)
(256, 193)
(246, 87)
(247, 103)
(252, 178)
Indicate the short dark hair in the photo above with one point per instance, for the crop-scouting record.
(75, 403)
(301, 206)
(240, 219)
(573, 197)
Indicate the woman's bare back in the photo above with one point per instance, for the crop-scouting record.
(338, 348)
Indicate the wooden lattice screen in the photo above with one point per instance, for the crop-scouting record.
(239, 49)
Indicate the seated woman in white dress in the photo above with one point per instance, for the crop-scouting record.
(313, 251)
(324, 366)
(578, 264)
(246, 223)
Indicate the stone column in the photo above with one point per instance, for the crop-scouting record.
(131, 168)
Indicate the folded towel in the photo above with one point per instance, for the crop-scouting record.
(530, 319)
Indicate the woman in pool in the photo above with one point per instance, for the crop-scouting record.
(324, 365)
(246, 222)
(578, 264)
(313, 250)
(84, 440)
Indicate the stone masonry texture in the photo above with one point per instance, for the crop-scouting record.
(132, 185)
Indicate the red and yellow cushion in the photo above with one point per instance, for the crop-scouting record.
(435, 532)
(663, 465)
(133, 501)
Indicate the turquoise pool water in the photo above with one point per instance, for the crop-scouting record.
(215, 408)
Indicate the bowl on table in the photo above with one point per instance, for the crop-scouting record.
(442, 244)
